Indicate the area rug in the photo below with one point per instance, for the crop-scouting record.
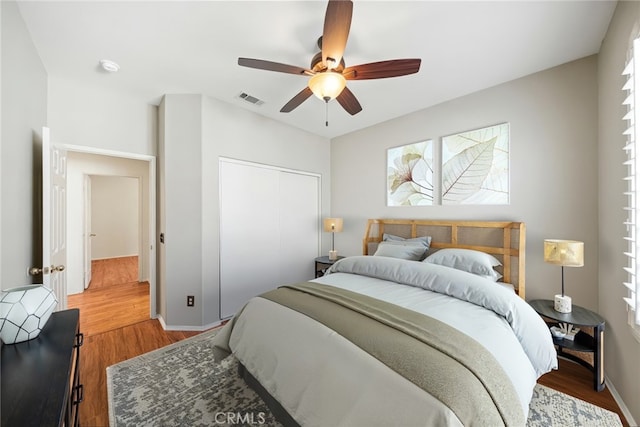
(184, 385)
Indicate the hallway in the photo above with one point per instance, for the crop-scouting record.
(114, 298)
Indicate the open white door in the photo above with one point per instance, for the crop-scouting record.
(87, 234)
(54, 219)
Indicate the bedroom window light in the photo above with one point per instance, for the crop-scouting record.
(632, 164)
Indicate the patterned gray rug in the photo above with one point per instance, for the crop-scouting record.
(183, 385)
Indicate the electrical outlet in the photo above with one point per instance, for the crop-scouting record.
(190, 300)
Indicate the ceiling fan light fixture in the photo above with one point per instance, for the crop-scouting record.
(327, 85)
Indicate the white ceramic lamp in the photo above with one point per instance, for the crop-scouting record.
(565, 253)
(333, 225)
(24, 311)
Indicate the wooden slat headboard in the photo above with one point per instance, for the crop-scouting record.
(505, 240)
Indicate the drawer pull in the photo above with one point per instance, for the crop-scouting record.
(79, 394)
(79, 340)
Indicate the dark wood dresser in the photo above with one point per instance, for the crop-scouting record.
(40, 380)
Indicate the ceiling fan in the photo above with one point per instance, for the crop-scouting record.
(328, 71)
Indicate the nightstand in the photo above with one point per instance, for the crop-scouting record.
(583, 342)
(322, 263)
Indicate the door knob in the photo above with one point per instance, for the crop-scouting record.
(92, 235)
(57, 268)
(34, 271)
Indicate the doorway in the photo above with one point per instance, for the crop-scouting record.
(111, 230)
(105, 190)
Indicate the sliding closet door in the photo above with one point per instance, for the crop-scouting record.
(299, 226)
(269, 230)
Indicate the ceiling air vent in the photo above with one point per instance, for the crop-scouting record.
(250, 99)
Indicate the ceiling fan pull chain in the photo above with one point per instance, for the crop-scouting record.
(326, 113)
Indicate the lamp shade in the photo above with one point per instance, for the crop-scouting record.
(327, 85)
(333, 225)
(567, 253)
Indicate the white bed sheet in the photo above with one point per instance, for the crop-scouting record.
(486, 327)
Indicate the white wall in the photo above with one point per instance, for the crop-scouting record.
(232, 132)
(24, 100)
(553, 118)
(79, 165)
(115, 216)
(1, 138)
(92, 116)
(190, 201)
(622, 350)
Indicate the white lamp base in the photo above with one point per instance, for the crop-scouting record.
(562, 304)
(333, 255)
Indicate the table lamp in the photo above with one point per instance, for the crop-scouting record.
(565, 253)
(333, 225)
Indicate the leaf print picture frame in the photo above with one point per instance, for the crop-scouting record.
(410, 175)
(475, 167)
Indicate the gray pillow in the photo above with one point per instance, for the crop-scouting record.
(425, 240)
(403, 250)
(475, 262)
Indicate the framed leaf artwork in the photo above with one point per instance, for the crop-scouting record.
(410, 174)
(475, 166)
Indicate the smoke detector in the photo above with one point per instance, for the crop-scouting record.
(109, 66)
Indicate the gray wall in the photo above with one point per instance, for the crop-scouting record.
(182, 209)
(554, 170)
(622, 350)
(24, 113)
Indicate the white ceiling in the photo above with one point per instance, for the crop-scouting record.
(193, 46)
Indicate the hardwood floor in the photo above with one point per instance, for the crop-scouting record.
(108, 303)
(575, 380)
(109, 339)
(113, 271)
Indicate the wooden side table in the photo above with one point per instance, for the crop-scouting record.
(322, 263)
(582, 342)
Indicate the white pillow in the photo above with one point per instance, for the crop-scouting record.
(475, 262)
(494, 277)
(403, 250)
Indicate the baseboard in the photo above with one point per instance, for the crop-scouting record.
(187, 327)
(620, 402)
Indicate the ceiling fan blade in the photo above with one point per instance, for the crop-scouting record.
(297, 100)
(337, 22)
(261, 64)
(382, 69)
(349, 102)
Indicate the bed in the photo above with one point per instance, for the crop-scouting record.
(428, 327)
